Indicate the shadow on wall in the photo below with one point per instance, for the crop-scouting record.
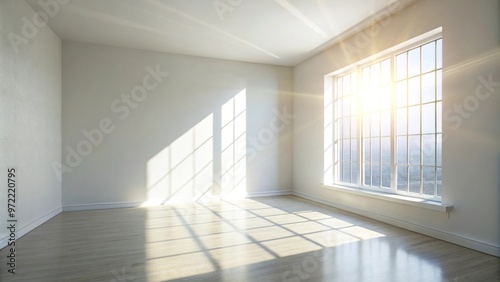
(195, 167)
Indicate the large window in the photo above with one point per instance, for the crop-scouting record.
(386, 126)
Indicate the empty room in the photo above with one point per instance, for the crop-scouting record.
(250, 140)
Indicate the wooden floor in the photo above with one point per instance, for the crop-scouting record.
(264, 239)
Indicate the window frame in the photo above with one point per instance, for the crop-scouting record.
(357, 68)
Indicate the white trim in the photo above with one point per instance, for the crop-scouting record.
(100, 206)
(405, 200)
(28, 228)
(269, 194)
(445, 236)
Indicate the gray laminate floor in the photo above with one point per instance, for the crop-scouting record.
(264, 239)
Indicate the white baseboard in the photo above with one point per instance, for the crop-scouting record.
(452, 238)
(24, 230)
(269, 194)
(101, 206)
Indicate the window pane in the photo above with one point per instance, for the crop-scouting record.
(401, 66)
(414, 91)
(367, 175)
(366, 148)
(385, 97)
(376, 175)
(346, 150)
(386, 175)
(366, 78)
(338, 151)
(428, 181)
(402, 150)
(375, 118)
(439, 180)
(439, 85)
(366, 126)
(354, 177)
(354, 149)
(386, 123)
(336, 109)
(340, 107)
(347, 127)
(414, 120)
(376, 150)
(414, 179)
(401, 93)
(375, 74)
(439, 115)
(428, 118)
(428, 56)
(439, 57)
(386, 150)
(414, 62)
(402, 177)
(339, 129)
(414, 150)
(354, 127)
(346, 108)
(354, 82)
(429, 150)
(347, 85)
(354, 105)
(402, 124)
(338, 172)
(385, 71)
(439, 152)
(366, 103)
(375, 100)
(346, 172)
(428, 87)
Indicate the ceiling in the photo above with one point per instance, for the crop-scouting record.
(278, 32)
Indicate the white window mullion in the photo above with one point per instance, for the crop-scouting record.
(334, 131)
(394, 149)
(407, 135)
(335, 149)
(361, 127)
(350, 128)
(421, 126)
(359, 115)
(435, 118)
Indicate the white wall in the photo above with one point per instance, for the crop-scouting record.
(471, 154)
(30, 123)
(121, 169)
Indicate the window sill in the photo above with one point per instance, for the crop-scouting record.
(405, 200)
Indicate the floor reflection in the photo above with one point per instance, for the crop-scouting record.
(286, 239)
(265, 239)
